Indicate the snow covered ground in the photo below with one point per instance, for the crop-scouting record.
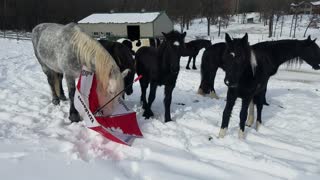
(38, 142)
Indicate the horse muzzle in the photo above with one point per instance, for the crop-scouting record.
(129, 92)
(316, 67)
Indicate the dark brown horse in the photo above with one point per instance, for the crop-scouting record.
(160, 66)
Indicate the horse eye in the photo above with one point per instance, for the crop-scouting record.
(233, 54)
(176, 43)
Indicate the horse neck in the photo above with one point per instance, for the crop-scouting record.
(163, 50)
(282, 51)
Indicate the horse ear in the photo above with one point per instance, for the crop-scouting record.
(164, 34)
(245, 38)
(138, 44)
(228, 38)
(125, 73)
(309, 38)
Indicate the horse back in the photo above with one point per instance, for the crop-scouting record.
(213, 55)
(147, 62)
(199, 44)
(51, 45)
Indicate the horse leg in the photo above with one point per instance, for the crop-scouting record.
(167, 102)
(259, 101)
(264, 97)
(194, 62)
(152, 95)
(53, 82)
(189, 60)
(243, 116)
(231, 99)
(144, 85)
(251, 114)
(73, 113)
(60, 91)
(213, 93)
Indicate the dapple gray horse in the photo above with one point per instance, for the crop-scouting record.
(62, 50)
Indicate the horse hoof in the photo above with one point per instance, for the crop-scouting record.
(167, 120)
(213, 95)
(74, 117)
(222, 133)
(55, 101)
(200, 91)
(147, 114)
(194, 68)
(63, 98)
(187, 67)
(258, 125)
(241, 134)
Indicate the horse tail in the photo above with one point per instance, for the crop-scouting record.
(206, 81)
(96, 58)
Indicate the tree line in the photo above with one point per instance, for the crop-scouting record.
(25, 14)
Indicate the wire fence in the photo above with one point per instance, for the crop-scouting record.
(18, 35)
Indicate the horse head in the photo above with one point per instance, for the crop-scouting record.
(128, 44)
(236, 59)
(175, 42)
(126, 61)
(311, 53)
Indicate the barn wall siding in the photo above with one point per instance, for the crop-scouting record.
(151, 29)
(119, 30)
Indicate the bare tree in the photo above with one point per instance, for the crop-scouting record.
(271, 8)
(312, 19)
(207, 7)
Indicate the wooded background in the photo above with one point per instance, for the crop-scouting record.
(25, 14)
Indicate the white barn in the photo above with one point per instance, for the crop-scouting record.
(126, 25)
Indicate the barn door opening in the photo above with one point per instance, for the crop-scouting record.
(133, 32)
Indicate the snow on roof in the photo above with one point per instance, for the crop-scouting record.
(118, 18)
(316, 3)
(297, 4)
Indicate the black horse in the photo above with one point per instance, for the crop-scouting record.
(123, 57)
(248, 69)
(192, 50)
(212, 59)
(154, 42)
(160, 66)
(128, 44)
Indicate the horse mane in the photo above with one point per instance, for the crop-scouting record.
(295, 62)
(95, 57)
